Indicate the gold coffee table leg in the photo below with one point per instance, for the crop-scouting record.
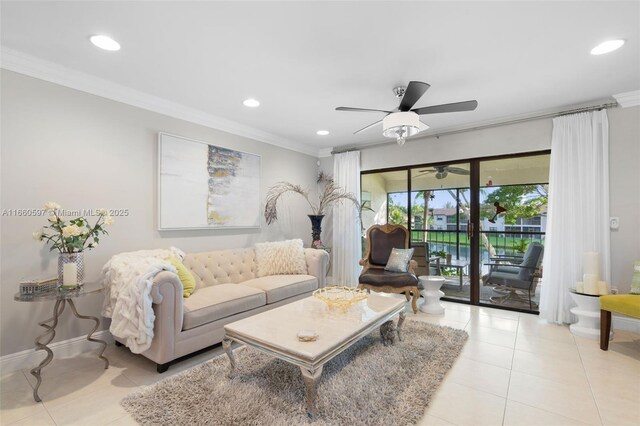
(42, 346)
(311, 378)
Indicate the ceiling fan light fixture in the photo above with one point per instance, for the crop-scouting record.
(401, 125)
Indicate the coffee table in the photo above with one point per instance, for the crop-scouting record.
(275, 332)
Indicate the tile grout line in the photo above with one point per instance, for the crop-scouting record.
(595, 402)
(513, 354)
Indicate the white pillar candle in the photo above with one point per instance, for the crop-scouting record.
(591, 264)
(603, 288)
(580, 287)
(590, 283)
(69, 275)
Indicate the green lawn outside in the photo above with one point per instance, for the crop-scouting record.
(496, 240)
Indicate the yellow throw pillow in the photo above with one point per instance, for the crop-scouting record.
(187, 280)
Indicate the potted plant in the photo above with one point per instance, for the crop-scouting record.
(330, 194)
(71, 238)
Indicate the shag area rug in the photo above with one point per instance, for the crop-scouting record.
(367, 384)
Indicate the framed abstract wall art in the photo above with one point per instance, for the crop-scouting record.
(203, 186)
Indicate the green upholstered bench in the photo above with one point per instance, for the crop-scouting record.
(626, 304)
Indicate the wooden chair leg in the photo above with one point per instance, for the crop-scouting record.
(407, 294)
(605, 329)
(414, 304)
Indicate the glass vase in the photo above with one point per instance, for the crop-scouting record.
(70, 270)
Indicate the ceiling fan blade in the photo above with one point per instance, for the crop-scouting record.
(457, 170)
(454, 107)
(368, 127)
(414, 92)
(419, 175)
(361, 110)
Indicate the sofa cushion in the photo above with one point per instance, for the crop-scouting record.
(185, 276)
(280, 287)
(280, 257)
(220, 301)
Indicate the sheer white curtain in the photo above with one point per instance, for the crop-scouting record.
(578, 209)
(346, 249)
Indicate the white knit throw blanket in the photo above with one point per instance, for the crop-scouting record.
(127, 279)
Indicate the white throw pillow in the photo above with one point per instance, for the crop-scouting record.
(280, 258)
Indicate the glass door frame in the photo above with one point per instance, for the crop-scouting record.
(473, 229)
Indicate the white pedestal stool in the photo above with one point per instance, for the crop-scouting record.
(431, 292)
(588, 313)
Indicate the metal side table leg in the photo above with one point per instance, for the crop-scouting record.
(42, 345)
(89, 338)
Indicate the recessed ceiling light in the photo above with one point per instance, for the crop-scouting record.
(105, 42)
(607, 46)
(322, 132)
(251, 103)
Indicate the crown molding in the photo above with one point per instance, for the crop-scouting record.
(628, 99)
(325, 152)
(23, 63)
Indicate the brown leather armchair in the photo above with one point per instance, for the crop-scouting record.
(381, 239)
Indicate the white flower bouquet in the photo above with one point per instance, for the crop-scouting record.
(73, 236)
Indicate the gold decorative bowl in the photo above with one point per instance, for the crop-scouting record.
(340, 296)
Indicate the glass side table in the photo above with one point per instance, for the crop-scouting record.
(61, 297)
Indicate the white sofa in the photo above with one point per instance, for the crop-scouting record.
(227, 289)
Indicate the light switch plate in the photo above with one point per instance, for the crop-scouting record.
(614, 222)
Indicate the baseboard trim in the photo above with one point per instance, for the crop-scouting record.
(625, 323)
(64, 349)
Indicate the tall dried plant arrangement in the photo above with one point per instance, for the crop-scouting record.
(330, 193)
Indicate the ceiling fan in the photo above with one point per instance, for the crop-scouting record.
(403, 121)
(442, 171)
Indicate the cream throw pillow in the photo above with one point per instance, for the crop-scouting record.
(281, 258)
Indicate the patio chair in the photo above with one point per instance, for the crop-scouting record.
(516, 277)
(433, 262)
(381, 239)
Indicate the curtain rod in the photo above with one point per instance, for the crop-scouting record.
(502, 123)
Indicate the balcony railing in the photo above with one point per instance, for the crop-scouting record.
(456, 242)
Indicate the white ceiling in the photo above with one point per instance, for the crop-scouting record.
(303, 59)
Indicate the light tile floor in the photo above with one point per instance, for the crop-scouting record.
(514, 370)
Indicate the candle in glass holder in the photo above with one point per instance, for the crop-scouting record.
(69, 275)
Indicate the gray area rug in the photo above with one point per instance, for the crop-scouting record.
(368, 384)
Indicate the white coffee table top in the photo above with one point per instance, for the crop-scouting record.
(277, 329)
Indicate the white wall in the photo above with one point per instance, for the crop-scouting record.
(515, 138)
(83, 151)
(624, 160)
(624, 189)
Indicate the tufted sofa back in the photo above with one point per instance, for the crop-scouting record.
(221, 266)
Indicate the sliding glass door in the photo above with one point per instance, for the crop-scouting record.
(440, 224)
(513, 219)
(469, 220)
